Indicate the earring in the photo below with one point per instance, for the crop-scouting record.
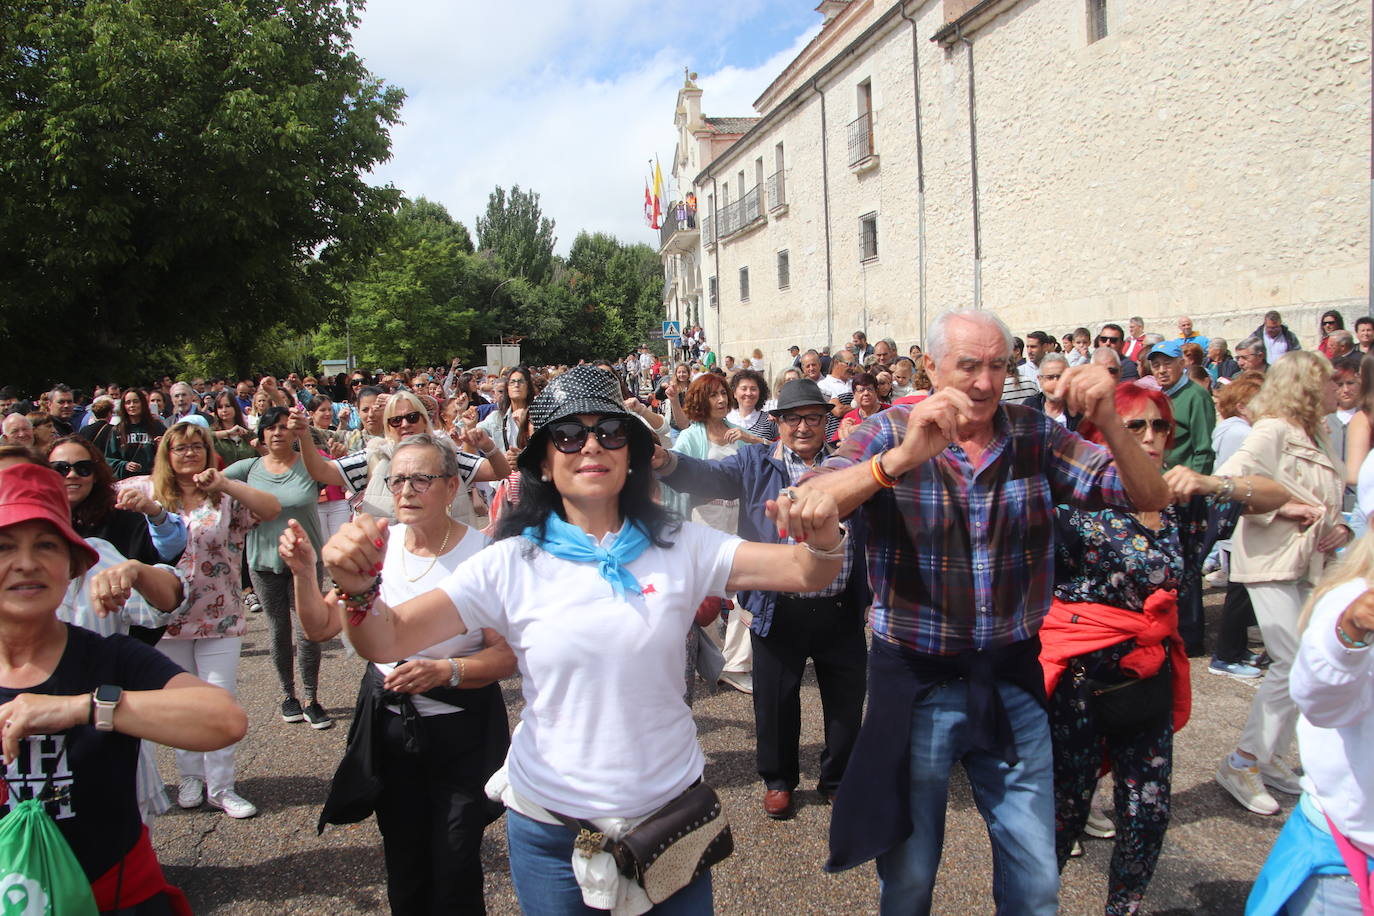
(545, 477)
(629, 471)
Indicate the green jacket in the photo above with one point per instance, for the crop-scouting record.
(1195, 416)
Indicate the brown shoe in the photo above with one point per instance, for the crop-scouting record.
(777, 804)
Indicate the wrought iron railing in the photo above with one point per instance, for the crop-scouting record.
(860, 138)
(777, 191)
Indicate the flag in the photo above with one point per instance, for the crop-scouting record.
(658, 194)
(648, 206)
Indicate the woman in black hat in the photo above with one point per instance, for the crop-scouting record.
(594, 586)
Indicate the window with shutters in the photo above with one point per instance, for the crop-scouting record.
(711, 291)
(784, 271)
(1097, 20)
(868, 237)
(744, 284)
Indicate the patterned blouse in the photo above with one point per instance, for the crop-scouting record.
(1109, 557)
(216, 534)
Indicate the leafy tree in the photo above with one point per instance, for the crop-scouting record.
(518, 235)
(179, 172)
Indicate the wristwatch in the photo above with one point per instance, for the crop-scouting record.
(104, 699)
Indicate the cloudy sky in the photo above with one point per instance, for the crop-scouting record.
(569, 98)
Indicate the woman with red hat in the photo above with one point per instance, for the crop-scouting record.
(74, 706)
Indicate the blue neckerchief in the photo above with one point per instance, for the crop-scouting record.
(569, 542)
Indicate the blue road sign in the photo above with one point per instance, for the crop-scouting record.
(672, 329)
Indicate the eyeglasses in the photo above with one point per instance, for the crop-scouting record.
(1328, 324)
(418, 482)
(570, 437)
(355, 382)
(793, 420)
(190, 448)
(83, 468)
(412, 418)
(1160, 425)
(1108, 339)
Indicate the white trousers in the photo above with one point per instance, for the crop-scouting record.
(333, 516)
(738, 648)
(1273, 715)
(216, 661)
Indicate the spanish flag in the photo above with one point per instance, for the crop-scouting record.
(658, 194)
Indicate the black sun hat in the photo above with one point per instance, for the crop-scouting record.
(582, 389)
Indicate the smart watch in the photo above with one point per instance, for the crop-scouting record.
(104, 699)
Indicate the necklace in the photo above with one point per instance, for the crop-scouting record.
(448, 530)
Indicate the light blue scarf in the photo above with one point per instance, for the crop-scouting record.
(569, 542)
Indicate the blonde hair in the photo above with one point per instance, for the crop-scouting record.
(411, 402)
(1294, 390)
(1357, 562)
(165, 488)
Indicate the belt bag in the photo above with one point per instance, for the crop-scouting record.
(667, 850)
(1128, 706)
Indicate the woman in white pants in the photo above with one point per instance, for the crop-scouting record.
(1280, 555)
(205, 634)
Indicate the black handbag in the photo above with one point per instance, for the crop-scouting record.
(667, 850)
(1128, 706)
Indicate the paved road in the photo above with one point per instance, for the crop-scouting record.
(275, 863)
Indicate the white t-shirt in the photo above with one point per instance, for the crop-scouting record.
(400, 565)
(832, 387)
(605, 731)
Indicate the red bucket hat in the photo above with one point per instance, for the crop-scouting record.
(29, 492)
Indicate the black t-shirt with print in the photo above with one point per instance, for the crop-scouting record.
(88, 776)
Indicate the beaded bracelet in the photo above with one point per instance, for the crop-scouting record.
(1350, 643)
(361, 604)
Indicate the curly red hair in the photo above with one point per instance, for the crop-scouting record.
(698, 401)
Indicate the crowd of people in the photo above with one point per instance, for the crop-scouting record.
(994, 552)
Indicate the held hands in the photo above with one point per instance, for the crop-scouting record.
(133, 467)
(211, 481)
(337, 449)
(137, 501)
(931, 426)
(806, 515)
(1090, 391)
(1185, 483)
(733, 435)
(418, 675)
(295, 550)
(40, 714)
(110, 588)
(1304, 514)
(299, 422)
(354, 555)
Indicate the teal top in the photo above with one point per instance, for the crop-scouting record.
(298, 494)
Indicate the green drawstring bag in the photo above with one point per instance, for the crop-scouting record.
(39, 874)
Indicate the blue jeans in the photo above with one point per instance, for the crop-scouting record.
(541, 869)
(1325, 895)
(1017, 802)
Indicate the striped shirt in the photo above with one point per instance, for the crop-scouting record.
(962, 557)
(796, 470)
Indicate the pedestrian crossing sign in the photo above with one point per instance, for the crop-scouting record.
(672, 330)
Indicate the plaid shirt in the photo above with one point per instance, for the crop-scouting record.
(962, 557)
(796, 469)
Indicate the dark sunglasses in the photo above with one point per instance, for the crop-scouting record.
(1107, 338)
(570, 437)
(83, 468)
(1159, 425)
(396, 421)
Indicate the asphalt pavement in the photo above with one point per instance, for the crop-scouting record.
(275, 863)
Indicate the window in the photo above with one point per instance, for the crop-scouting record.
(777, 190)
(868, 237)
(1097, 20)
(784, 270)
(861, 144)
(744, 284)
(711, 291)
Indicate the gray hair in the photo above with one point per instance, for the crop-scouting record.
(448, 456)
(1106, 356)
(891, 344)
(936, 342)
(1136, 319)
(1251, 343)
(186, 385)
(1151, 339)
(1218, 341)
(1053, 358)
(1342, 336)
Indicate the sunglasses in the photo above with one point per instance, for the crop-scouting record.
(1328, 324)
(412, 418)
(1107, 338)
(570, 437)
(83, 468)
(1159, 425)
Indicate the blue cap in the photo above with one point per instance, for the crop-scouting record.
(1170, 348)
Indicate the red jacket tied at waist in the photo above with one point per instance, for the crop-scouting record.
(141, 879)
(1071, 630)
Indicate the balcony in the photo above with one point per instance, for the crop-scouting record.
(679, 229)
(861, 141)
(777, 192)
(708, 230)
(740, 215)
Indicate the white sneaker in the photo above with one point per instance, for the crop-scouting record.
(1099, 825)
(233, 804)
(192, 792)
(1216, 579)
(1246, 787)
(742, 681)
(1277, 774)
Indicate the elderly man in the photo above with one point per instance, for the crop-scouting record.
(183, 402)
(62, 408)
(885, 351)
(1220, 363)
(17, 430)
(825, 626)
(1276, 337)
(838, 387)
(1194, 414)
(1112, 336)
(1050, 401)
(958, 493)
(1342, 343)
(811, 365)
(1250, 355)
(794, 351)
(1135, 342)
(1186, 335)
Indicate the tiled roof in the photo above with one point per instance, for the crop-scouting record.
(731, 125)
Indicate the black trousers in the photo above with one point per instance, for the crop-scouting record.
(831, 634)
(1237, 616)
(431, 813)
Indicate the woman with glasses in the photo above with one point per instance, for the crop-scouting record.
(281, 472)
(205, 634)
(866, 404)
(595, 587)
(1112, 631)
(432, 728)
(131, 448)
(1330, 321)
(229, 430)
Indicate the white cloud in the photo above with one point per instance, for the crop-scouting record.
(567, 99)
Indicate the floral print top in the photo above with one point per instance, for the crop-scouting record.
(210, 565)
(1109, 557)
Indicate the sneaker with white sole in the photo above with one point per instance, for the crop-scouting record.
(1216, 579)
(1099, 825)
(1246, 787)
(192, 792)
(291, 710)
(316, 716)
(742, 681)
(1277, 774)
(1238, 670)
(233, 804)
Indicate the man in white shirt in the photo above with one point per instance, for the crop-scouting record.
(837, 388)
(1027, 370)
(1136, 341)
(1276, 337)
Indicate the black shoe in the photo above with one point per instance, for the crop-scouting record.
(317, 717)
(291, 710)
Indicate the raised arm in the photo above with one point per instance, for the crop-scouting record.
(1261, 494)
(1091, 391)
(110, 588)
(320, 469)
(320, 619)
(496, 467)
(807, 566)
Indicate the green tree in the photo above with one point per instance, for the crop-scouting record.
(179, 172)
(518, 235)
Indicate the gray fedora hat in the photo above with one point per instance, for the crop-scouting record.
(800, 392)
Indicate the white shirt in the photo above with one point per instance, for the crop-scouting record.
(1345, 416)
(1029, 372)
(1333, 687)
(1274, 347)
(832, 387)
(605, 731)
(400, 565)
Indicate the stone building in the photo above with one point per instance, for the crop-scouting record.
(1062, 162)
